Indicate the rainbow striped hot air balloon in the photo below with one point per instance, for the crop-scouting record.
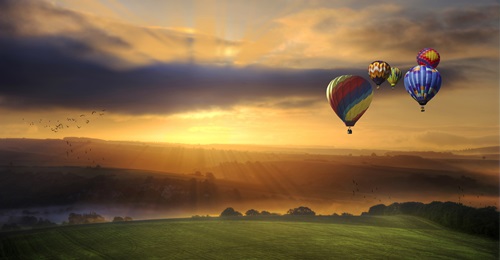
(428, 57)
(422, 83)
(349, 96)
(379, 71)
(394, 77)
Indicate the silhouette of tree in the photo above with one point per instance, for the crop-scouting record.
(481, 221)
(92, 217)
(252, 212)
(45, 223)
(265, 213)
(118, 219)
(210, 176)
(379, 209)
(8, 227)
(301, 211)
(230, 212)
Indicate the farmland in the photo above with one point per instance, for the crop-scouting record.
(273, 237)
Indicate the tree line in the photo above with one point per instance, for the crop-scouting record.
(480, 221)
(17, 223)
(300, 211)
(92, 217)
(477, 221)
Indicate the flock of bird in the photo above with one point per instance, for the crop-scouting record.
(69, 122)
(371, 193)
(73, 150)
(461, 197)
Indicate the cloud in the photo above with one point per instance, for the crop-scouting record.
(70, 65)
(128, 44)
(55, 57)
(392, 32)
(49, 72)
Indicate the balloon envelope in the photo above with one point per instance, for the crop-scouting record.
(422, 83)
(395, 76)
(349, 96)
(428, 57)
(379, 71)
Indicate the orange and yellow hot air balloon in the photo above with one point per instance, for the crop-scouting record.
(379, 71)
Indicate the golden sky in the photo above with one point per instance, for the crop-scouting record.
(252, 72)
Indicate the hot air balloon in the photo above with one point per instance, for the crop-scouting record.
(428, 57)
(349, 96)
(379, 71)
(394, 77)
(422, 83)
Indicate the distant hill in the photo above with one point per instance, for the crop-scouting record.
(41, 172)
(493, 150)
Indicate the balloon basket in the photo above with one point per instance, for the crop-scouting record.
(422, 109)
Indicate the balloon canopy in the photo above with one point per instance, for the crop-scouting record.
(395, 76)
(422, 83)
(428, 57)
(379, 71)
(349, 96)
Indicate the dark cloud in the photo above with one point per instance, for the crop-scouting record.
(71, 71)
(53, 72)
(411, 28)
(50, 71)
(472, 18)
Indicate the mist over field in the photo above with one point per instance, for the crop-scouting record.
(51, 178)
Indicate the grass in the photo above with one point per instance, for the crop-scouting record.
(387, 237)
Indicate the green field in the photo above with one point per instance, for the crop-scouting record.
(387, 237)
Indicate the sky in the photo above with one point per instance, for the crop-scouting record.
(245, 72)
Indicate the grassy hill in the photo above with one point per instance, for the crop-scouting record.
(364, 237)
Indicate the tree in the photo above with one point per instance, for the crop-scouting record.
(265, 213)
(230, 212)
(127, 219)
(75, 218)
(45, 223)
(28, 221)
(92, 217)
(377, 209)
(252, 212)
(8, 227)
(481, 221)
(210, 176)
(118, 219)
(301, 211)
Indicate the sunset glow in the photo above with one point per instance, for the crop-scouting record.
(233, 72)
